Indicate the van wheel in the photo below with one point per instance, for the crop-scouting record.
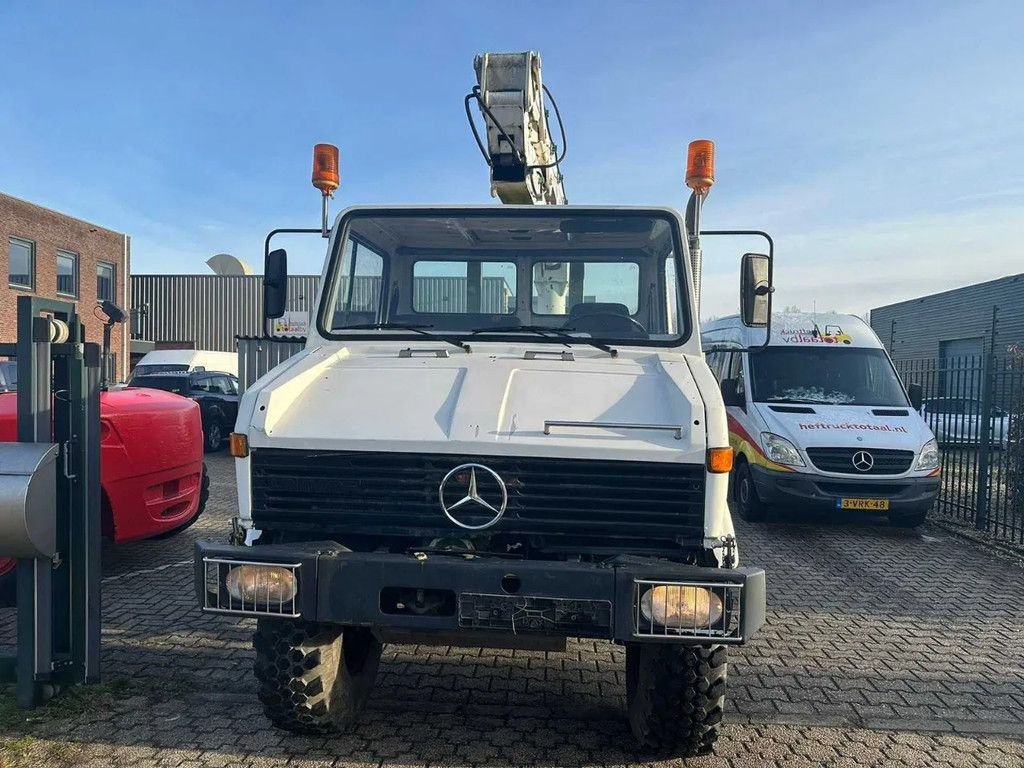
(314, 678)
(748, 503)
(675, 696)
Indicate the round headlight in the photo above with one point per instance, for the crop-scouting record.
(261, 583)
(681, 606)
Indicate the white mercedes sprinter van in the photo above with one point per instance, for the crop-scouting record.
(818, 416)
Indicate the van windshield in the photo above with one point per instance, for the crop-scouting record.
(149, 370)
(833, 375)
(547, 276)
(176, 384)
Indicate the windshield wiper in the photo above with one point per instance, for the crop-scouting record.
(559, 334)
(420, 329)
(802, 400)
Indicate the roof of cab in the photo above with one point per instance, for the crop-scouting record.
(791, 329)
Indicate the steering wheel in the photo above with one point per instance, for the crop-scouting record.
(607, 322)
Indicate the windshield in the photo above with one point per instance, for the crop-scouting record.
(592, 275)
(176, 384)
(838, 375)
(147, 370)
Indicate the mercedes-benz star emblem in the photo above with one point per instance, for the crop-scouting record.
(465, 480)
(863, 461)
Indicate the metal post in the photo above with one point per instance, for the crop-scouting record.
(83, 551)
(35, 617)
(984, 443)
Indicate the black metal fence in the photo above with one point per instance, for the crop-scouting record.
(975, 407)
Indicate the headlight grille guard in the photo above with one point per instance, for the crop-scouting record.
(219, 600)
(726, 628)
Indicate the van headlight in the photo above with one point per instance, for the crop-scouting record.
(674, 605)
(929, 456)
(780, 450)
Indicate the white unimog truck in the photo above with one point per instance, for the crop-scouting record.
(501, 433)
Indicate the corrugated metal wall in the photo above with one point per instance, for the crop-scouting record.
(918, 328)
(209, 310)
(449, 294)
(257, 356)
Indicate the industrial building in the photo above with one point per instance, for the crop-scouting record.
(211, 311)
(205, 311)
(55, 256)
(969, 321)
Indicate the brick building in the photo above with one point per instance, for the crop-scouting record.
(46, 253)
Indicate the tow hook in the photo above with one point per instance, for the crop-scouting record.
(728, 544)
(237, 537)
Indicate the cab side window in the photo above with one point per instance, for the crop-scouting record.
(711, 358)
(717, 362)
(736, 372)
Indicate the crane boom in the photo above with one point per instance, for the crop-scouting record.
(520, 151)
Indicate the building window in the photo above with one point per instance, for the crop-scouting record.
(106, 281)
(67, 273)
(21, 265)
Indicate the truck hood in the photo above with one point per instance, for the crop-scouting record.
(492, 401)
(847, 426)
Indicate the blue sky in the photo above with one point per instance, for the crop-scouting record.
(882, 144)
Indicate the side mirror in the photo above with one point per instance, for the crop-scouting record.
(731, 394)
(275, 284)
(916, 394)
(755, 290)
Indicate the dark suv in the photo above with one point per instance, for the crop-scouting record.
(216, 393)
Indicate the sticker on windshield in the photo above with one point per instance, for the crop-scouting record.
(833, 334)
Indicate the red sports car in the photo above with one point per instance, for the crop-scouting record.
(152, 474)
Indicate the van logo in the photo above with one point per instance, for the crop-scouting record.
(863, 461)
(473, 490)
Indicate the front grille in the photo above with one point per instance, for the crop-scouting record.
(333, 492)
(886, 490)
(886, 461)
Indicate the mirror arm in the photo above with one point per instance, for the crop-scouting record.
(266, 252)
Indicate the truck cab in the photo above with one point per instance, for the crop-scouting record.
(501, 433)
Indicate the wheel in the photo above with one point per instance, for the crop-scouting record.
(313, 678)
(213, 435)
(748, 503)
(675, 696)
(908, 519)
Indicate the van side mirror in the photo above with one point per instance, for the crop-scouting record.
(755, 290)
(916, 394)
(275, 284)
(731, 394)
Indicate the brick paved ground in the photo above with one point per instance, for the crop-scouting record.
(883, 647)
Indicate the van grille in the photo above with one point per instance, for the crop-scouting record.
(886, 460)
(397, 494)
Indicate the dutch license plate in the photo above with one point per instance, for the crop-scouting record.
(882, 504)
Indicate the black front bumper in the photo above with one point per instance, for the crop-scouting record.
(487, 594)
(803, 489)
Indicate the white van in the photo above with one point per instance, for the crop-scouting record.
(818, 416)
(180, 360)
